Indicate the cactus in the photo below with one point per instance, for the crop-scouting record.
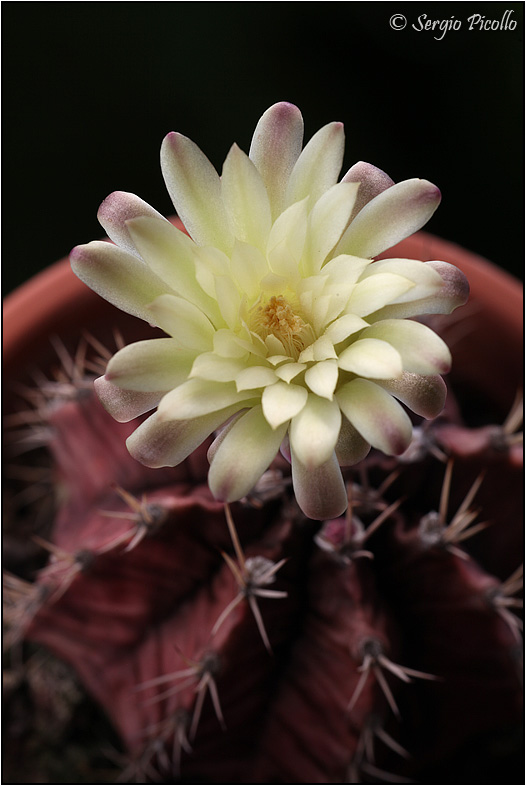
(284, 621)
(249, 644)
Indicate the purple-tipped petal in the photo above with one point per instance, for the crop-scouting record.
(158, 443)
(320, 492)
(318, 166)
(376, 416)
(454, 293)
(275, 148)
(195, 189)
(117, 276)
(243, 455)
(424, 395)
(118, 208)
(372, 182)
(391, 216)
(125, 405)
(351, 446)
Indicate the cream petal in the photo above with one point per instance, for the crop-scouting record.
(421, 350)
(155, 364)
(214, 367)
(275, 148)
(248, 266)
(424, 395)
(195, 189)
(371, 357)
(391, 216)
(327, 221)
(243, 455)
(245, 199)
(171, 255)
(125, 405)
(117, 276)
(427, 282)
(314, 431)
(351, 446)
(229, 299)
(182, 320)
(288, 371)
(320, 492)
(374, 292)
(255, 377)
(287, 240)
(322, 378)
(118, 208)
(157, 443)
(198, 397)
(321, 349)
(345, 326)
(372, 182)
(318, 166)
(281, 402)
(376, 415)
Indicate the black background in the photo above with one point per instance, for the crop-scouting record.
(91, 88)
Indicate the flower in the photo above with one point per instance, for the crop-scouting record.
(282, 331)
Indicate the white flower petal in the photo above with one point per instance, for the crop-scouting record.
(321, 349)
(195, 189)
(171, 255)
(125, 405)
(287, 239)
(314, 431)
(156, 443)
(119, 277)
(208, 365)
(275, 148)
(327, 221)
(248, 267)
(155, 364)
(424, 395)
(370, 357)
(182, 320)
(255, 377)
(198, 397)
(288, 371)
(375, 292)
(343, 327)
(118, 208)
(320, 492)
(372, 182)
(322, 378)
(245, 199)
(390, 217)
(281, 402)
(421, 350)
(376, 415)
(243, 455)
(318, 166)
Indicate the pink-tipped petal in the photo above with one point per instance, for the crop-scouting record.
(351, 446)
(195, 189)
(157, 443)
(318, 166)
(424, 395)
(372, 182)
(275, 148)
(319, 492)
(118, 208)
(243, 455)
(125, 405)
(390, 217)
(376, 416)
(117, 276)
(454, 293)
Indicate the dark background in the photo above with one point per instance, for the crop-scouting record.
(91, 89)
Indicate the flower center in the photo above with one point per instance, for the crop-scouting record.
(278, 318)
